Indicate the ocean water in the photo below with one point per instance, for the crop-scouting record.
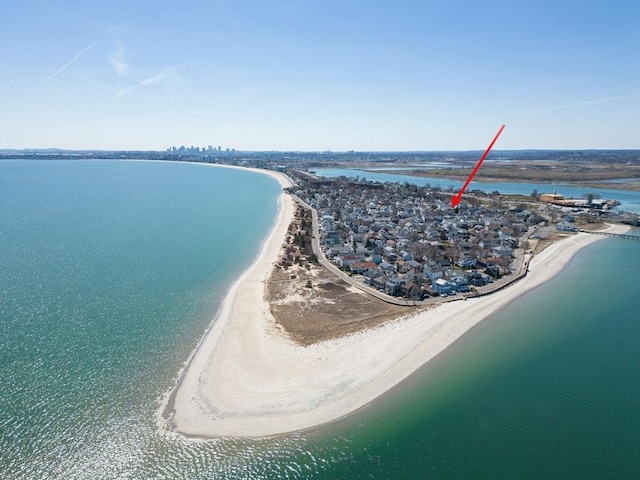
(111, 271)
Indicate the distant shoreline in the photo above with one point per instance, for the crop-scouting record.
(628, 186)
(247, 379)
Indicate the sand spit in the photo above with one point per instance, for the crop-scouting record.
(248, 379)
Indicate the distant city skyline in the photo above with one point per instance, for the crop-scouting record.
(319, 75)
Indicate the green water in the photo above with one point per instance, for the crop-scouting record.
(111, 271)
(548, 388)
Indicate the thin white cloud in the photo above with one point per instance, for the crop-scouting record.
(158, 78)
(582, 104)
(53, 75)
(122, 91)
(118, 62)
(165, 77)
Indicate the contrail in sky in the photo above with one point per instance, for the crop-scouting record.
(70, 62)
(582, 104)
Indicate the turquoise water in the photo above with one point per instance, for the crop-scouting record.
(111, 271)
(629, 200)
(547, 388)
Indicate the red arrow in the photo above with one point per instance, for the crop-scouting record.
(456, 199)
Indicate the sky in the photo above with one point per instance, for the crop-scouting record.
(320, 75)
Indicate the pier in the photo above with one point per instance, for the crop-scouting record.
(607, 234)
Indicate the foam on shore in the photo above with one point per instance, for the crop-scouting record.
(247, 379)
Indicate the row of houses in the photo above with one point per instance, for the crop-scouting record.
(407, 240)
(417, 288)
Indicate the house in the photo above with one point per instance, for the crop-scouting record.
(371, 276)
(415, 266)
(442, 286)
(377, 259)
(402, 267)
(475, 278)
(493, 271)
(413, 290)
(566, 227)
(361, 267)
(466, 262)
(459, 284)
(379, 281)
(445, 262)
(348, 259)
(429, 291)
(487, 278)
(338, 250)
(331, 238)
(394, 286)
(389, 254)
(406, 256)
(433, 275)
(502, 251)
(387, 268)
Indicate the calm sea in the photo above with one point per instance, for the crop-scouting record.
(111, 271)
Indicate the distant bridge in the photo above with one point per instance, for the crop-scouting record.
(608, 234)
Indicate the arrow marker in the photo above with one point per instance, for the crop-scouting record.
(456, 199)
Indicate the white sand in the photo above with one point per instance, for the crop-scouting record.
(248, 379)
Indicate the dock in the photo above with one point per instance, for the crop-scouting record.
(607, 234)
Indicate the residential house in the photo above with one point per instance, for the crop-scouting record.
(415, 267)
(413, 290)
(442, 286)
(387, 268)
(370, 277)
(361, 267)
(394, 286)
(566, 227)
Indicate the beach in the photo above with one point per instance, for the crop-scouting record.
(248, 379)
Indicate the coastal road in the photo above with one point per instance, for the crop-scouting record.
(324, 261)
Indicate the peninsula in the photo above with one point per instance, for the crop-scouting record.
(267, 366)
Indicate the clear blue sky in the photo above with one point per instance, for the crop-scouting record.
(319, 75)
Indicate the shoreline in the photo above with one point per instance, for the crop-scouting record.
(630, 186)
(247, 379)
(284, 214)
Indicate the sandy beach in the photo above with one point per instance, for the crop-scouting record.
(248, 379)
